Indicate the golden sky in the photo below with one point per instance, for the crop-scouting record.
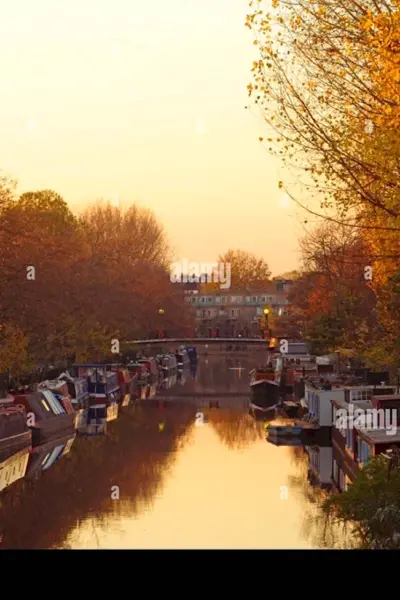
(144, 101)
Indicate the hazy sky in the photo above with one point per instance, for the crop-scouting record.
(144, 101)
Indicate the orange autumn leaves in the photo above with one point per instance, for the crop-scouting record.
(98, 277)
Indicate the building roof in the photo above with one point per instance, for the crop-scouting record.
(379, 436)
(387, 397)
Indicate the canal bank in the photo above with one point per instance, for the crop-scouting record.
(158, 480)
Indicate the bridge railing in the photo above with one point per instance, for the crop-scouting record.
(213, 340)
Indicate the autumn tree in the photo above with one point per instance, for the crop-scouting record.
(333, 299)
(74, 285)
(327, 84)
(247, 270)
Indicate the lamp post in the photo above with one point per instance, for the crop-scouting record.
(266, 329)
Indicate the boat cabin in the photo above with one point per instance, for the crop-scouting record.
(101, 382)
(45, 415)
(151, 366)
(14, 431)
(77, 388)
(59, 388)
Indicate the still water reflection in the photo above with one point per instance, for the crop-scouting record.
(156, 480)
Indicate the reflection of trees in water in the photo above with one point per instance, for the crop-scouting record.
(316, 527)
(235, 429)
(135, 455)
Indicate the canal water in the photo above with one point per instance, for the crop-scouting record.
(164, 478)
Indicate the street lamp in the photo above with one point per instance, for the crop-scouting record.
(161, 311)
(266, 329)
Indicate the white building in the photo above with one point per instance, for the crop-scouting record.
(318, 401)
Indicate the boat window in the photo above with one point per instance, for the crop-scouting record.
(45, 405)
(53, 402)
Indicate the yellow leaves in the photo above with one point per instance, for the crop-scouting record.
(275, 3)
(280, 185)
(250, 89)
(260, 139)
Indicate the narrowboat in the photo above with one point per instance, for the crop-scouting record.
(168, 364)
(182, 358)
(152, 368)
(77, 388)
(192, 354)
(46, 416)
(102, 383)
(14, 431)
(127, 383)
(142, 374)
(79, 393)
(44, 456)
(59, 388)
(265, 390)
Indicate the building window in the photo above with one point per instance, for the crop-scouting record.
(364, 452)
(349, 439)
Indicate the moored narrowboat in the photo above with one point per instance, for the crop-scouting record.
(59, 388)
(46, 416)
(151, 365)
(182, 358)
(168, 364)
(102, 383)
(14, 431)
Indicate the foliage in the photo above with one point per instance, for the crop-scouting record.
(371, 504)
(99, 277)
(247, 270)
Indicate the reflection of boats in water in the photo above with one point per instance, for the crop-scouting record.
(262, 414)
(151, 390)
(44, 456)
(280, 440)
(169, 382)
(13, 466)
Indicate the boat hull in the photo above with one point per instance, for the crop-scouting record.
(265, 393)
(50, 429)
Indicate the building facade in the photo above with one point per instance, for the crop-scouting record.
(233, 313)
